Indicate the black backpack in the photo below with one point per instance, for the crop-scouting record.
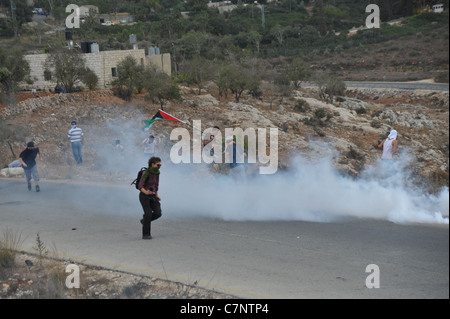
(138, 179)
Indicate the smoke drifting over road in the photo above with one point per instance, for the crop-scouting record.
(308, 191)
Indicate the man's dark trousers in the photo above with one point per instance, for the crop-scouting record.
(152, 211)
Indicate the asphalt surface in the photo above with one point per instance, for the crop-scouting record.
(400, 85)
(410, 86)
(99, 225)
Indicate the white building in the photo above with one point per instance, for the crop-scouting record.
(438, 8)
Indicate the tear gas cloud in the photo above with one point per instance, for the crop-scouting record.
(309, 191)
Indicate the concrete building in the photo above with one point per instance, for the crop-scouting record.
(103, 63)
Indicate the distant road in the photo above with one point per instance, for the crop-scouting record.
(400, 85)
(393, 85)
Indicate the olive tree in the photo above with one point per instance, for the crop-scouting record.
(67, 66)
(14, 69)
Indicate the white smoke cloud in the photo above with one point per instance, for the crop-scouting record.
(310, 191)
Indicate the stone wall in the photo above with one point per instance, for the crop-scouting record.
(103, 62)
(161, 61)
(37, 68)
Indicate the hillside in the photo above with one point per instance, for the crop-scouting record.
(414, 48)
(348, 133)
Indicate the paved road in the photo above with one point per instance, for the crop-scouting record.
(100, 226)
(393, 85)
(400, 85)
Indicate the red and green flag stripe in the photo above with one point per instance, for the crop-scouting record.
(161, 116)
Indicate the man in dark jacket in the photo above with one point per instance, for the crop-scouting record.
(148, 196)
(28, 160)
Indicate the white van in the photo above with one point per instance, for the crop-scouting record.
(438, 8)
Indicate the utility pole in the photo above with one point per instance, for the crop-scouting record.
(13, 9)
(174, 57)
(263, 18)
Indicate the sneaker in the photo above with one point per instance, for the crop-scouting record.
(147, 237)
(29, 186)
(38, 189)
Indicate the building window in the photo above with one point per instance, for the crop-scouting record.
(47, 75)
(114, 72)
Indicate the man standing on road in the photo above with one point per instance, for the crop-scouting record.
(76, 137)
(28, 160)
(148, 196)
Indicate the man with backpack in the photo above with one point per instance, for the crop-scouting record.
(148, 184)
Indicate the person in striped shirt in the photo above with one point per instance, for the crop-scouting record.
(76, 137)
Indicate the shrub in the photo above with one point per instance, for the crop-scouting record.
(361, 110)
(9, 244)
(301, 106)
(90, 79)
(442, 77)
(320, 113)
(122, 92)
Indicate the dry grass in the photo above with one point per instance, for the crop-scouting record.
(9, 245)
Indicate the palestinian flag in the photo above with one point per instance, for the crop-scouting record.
(161, 116)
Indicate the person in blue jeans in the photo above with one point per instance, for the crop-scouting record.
(235, 155)
(28, 160)
(76, 137)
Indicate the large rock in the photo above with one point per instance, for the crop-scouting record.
(12, 172)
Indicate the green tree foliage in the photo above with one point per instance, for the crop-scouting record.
(67, 66)
(160, 87)
(196, 5)
(13, 24)
(14, 69)
(128, 71)
(237, 78)
(329, 86)
(90, 79)
(298, 71)
(197, 71)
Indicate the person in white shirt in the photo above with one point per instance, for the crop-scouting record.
(149, 146)
(389, 145)
(76, 137)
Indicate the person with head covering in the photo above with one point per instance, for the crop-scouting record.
(149, 146)
(148, 196)
(28, 160)
(389, 145)
(76, 137)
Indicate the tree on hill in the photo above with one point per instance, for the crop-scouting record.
(161, 87)
(298, 71)
(14, 69)
(198, 71)
(237, 78)
(21, 14)
(128, 71)
(67, 66)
